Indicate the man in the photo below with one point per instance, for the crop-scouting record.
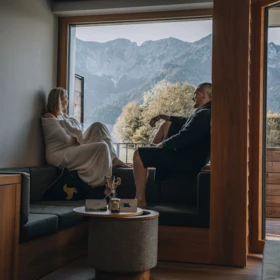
(181, 143)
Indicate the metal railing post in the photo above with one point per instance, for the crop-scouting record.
(126, 149)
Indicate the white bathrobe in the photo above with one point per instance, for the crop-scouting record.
(90, 153)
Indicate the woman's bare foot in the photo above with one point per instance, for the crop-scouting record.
(118, 163)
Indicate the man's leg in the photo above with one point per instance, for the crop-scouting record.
(140, 172)
(162, 132)
(140, 177)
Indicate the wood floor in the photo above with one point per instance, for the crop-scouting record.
(79, 270)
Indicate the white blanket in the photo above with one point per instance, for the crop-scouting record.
(90, 153)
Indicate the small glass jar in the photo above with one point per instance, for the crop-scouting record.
(114, 205)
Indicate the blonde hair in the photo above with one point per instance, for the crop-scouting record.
(54, 105)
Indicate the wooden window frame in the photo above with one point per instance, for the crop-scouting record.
(217, 247)
(256, 122)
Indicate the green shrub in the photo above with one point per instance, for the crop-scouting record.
(273, 129)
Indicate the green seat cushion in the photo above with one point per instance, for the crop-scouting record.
(181, 215)
(38, 225)
(74, 203)
(66, 217)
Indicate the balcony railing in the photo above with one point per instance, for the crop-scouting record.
(125, 150)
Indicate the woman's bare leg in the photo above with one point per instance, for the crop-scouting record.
(98, 132)
(162, 132)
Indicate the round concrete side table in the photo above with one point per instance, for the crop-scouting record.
(122, 246)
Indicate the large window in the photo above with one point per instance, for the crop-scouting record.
(133, 71)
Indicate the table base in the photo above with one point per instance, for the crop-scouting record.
(102, 275)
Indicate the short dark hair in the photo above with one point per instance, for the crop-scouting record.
(206, 87)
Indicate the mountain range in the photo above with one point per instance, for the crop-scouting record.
(120, 71)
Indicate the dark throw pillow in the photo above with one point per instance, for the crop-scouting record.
(65, 187)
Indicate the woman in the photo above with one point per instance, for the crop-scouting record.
(90, 153)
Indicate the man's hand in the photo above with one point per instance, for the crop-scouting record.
(155, 119)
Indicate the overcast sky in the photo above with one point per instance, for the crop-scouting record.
(189, 31)
(274, 35)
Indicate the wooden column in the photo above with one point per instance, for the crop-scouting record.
(229, 143)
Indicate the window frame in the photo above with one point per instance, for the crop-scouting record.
(198, 236)
(258, 7)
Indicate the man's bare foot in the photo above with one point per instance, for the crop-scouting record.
(118, 163)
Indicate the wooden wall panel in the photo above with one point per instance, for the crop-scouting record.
(229, 143)
(273, 154)
(273, 167)
(273, 212)
(273, 200)
(10, 189)
(41, 256)
(272, 189)
(272, 178)
(273, 182)
(181, 244)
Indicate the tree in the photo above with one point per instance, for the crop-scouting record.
(273, 129)
(164, 98)
(127, 123)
